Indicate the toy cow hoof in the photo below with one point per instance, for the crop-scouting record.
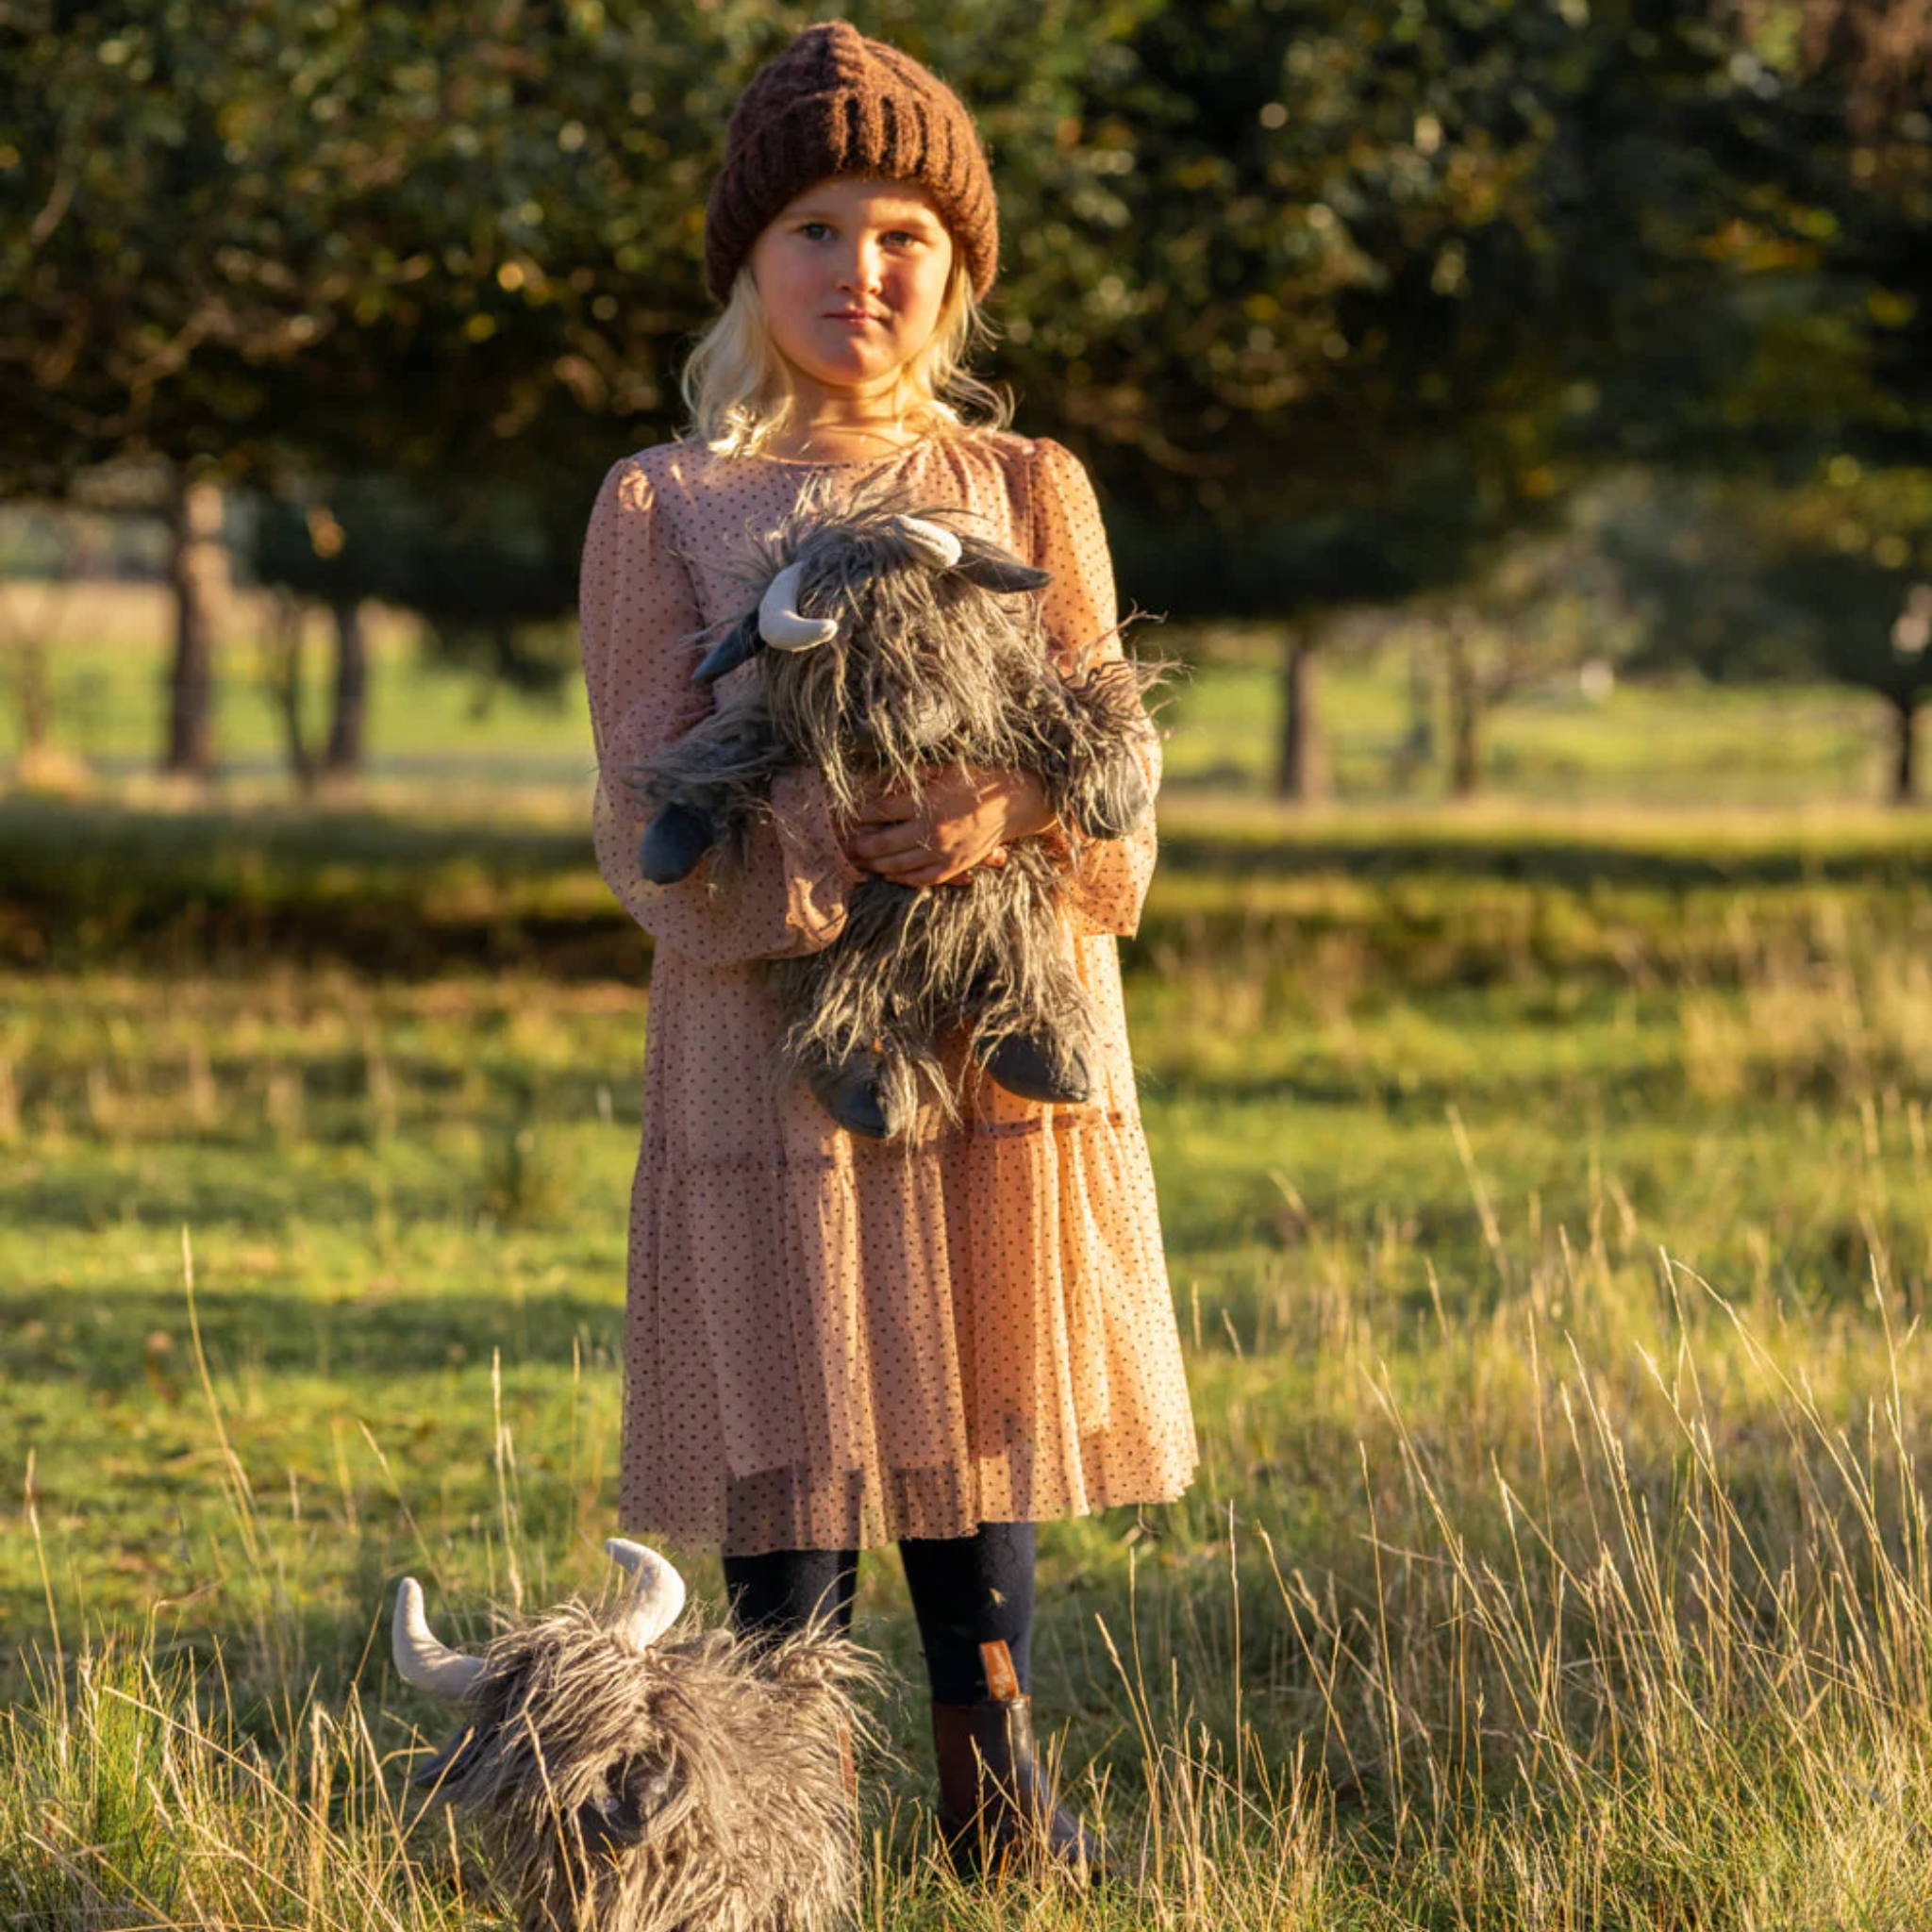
(855, 1095)
(675, 840)
(1022, 1066)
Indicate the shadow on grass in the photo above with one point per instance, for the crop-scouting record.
(84, 883)
(266, 849)
(1539, 858)
(113, 1341)
(250, 1196)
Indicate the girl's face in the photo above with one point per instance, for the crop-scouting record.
(853, 276)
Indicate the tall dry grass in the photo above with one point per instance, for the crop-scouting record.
(1601, 1661)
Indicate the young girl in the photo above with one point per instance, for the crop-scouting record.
(831, 1345)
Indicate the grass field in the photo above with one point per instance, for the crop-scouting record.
(1550, 1218)
(1695, 744)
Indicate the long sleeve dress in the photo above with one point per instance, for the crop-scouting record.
(831, 1343)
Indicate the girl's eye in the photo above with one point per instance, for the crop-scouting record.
(813, 230)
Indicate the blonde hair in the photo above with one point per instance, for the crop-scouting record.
(740, 395)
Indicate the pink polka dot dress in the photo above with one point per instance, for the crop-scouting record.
(832, 1342)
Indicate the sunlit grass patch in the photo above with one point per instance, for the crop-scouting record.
(1529, 1581)
(1578, 1641)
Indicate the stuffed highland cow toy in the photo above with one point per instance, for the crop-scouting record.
(624, 1776)
(887, 642)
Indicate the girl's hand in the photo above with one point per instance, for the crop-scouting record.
(965, 820)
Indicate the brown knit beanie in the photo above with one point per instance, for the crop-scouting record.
(836, 103)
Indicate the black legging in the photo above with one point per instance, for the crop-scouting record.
(966, 1590)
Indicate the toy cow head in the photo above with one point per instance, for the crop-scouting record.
(619, 1775)
(864, 546)
(886, 638)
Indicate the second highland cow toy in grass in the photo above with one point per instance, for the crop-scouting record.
(624, 1777)
(889, 646)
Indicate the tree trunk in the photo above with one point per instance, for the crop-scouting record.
(1904, 765)
(34, 696)
(199, 572)
(1303, 770)
(1465, 713)
(284, 655)
(1418, 747)
(30, 632)
(345, 733)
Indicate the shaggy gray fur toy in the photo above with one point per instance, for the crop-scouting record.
(696, 1783)
(900, 643)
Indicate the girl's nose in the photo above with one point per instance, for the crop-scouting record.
(862, 271)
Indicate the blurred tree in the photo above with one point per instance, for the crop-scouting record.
(1801, 391)
(1371, 269)
(1548, 606)
(492, 573)
(297, 552)
(210, 224)
(199, 575)
(1265, 260)
(1878, 51)
(31, 615)
(476, 238)
(1325, 233)
(1742, 578)
(1446, 519)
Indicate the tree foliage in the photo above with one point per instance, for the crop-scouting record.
(1359, 290)
(1255, 249)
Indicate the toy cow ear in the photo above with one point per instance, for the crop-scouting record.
(741, 642)
(993, 569)
(453, 1763)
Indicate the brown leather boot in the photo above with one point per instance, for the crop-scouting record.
(996, 1809)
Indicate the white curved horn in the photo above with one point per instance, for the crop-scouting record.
(931, 543)
(779, 623)
(425, 1663)
(660, 1595)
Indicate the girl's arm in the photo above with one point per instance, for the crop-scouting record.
(634, 605)
(1108, 877)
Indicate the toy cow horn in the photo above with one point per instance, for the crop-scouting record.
(930, 542)
(660, 1595)
(425, 1663)
(779, 623)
